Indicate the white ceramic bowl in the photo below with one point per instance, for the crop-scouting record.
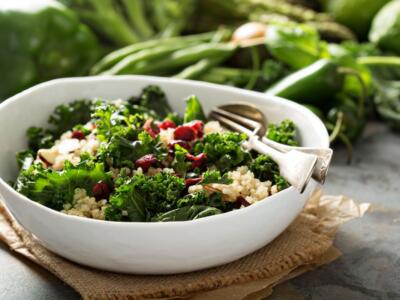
(149, 248)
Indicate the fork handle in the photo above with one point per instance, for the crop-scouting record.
(296, 167)
(324, 156)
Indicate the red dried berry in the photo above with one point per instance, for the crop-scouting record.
(151, 128)
(145, 162)
(240, 201)
(198, 127)
(192, 181)
(101, 190)
(185, 133)
(198, 160)
(183, 144)
(167, 124)
(78, 134)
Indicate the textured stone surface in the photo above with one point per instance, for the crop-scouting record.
(368, 269)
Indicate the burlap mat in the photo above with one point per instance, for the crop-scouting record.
(306, 244)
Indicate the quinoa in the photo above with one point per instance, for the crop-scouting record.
(244, 185)
(85, 206)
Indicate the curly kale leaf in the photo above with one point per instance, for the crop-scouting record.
(127, 198)
(122, 121)
(224, 150)
(145, 196)
(204, 199)
(121, 152)
(153, 98)
(66, 116)
(25, 159)
(54, 189)
(39, 138)
(186, 213)
(264, 169)
(284, 133)
(194, 110)
(180, 164)
(281, 182)
(214, 176)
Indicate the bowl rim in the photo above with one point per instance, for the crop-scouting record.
(324, 139)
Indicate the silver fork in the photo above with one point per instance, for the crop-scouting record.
(324, 155)
(296, 167)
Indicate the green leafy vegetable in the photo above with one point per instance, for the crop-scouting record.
(122, 121)
(264, 169)
(180, 164)
(281, 182)
(385, 29)
(194, 110)
(205, 199)
(121, 152)
(127, 197)
(54, 189)
(144, 196)
(297, 45)
(186, 213)
(224, 150)
(39, 138)
(66, 116)
(153, 98)
(284, 133)
(25, 159)
(214, 176)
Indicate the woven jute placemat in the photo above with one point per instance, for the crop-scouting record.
(306, 244)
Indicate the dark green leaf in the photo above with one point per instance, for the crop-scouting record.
(194, 110)
(284, 133)
(214, 176)
(186, 213)
(153, 98)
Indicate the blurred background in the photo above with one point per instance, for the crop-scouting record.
(337, 57)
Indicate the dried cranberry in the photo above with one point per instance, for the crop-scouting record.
(101, 190)
(240, 201)
(151, 128)
(198, 127)
(185, 133)
(192, 181)
(145, 162)
(198, 160)
(78, 134)
(181, 143)
(167, 124)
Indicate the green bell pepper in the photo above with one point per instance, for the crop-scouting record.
(41, 40)
(315, 84)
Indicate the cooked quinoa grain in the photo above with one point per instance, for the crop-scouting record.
(85, 206)
(245, 185)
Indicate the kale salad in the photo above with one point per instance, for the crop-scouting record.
(136, 160)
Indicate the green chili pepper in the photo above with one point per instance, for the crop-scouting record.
(312, 85)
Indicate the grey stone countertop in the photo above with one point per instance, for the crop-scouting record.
(368, 269)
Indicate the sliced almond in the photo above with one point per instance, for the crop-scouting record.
(48, 155)
(68, 146)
